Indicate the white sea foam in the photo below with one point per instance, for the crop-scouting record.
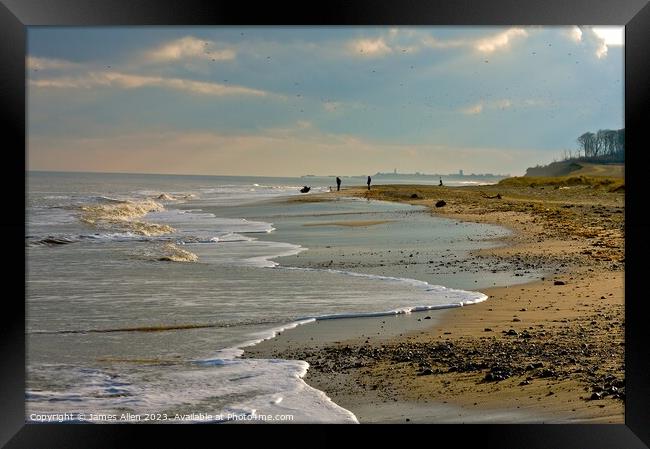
(451, 297)
(230, 390)
(123, 215)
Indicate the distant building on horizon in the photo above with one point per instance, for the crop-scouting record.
(460, 172)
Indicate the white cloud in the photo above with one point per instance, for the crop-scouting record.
(432, 42)
(500, 40)
(601, 51)
(398, 40)
(126, 81)
(36, 63)
(473, 109)
(536, 102)
(331, 106)
(575, 34)
(599, 38)
(189, 48)
(504, 104)
(611, 35)
(369, 47)
(607, 36)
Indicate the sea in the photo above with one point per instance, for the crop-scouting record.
(143, 291)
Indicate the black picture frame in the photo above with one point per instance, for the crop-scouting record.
(16, 15)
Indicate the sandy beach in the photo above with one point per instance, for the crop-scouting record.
(551, 350)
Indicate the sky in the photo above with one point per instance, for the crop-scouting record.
(291, 101)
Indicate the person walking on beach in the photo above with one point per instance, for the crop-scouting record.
(369, 182)
(338, 183)
(440, 182)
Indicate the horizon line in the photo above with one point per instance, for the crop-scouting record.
(258, 176)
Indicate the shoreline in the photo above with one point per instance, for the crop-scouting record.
(550, 338)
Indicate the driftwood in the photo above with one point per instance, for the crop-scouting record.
(497, 196)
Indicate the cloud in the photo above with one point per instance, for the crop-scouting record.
(473, 109)
(608, 36)
(611, 35)
(126, 81)
(331, 106)
(601, 51)
(36, 63)
(599, 38)
(575, 34)
(432, 42)
(369, 47)
(189, 48)
(398, 41)
(500, 40)
(503, 104)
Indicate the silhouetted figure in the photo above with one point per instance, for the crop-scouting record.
(338, 183)
(369, 182)
(440, 182)
(305, 189)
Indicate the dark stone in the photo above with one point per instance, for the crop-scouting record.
(427, 317)
(547, 373)
(441, 203)
(535, 365)
(559, 283)
(415, 196)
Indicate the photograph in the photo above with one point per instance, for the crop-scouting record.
(362, 212)
(332, 224)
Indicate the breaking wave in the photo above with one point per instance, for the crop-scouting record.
(168, 252)
(124, 215)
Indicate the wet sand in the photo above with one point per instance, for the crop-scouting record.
(352, 224)
(545, 351)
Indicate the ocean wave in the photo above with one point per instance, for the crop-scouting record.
(50, 241)
(111, 213)
(56, 197)
(174, 197)
(166, 252)
(176, 254)
(230, 237)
